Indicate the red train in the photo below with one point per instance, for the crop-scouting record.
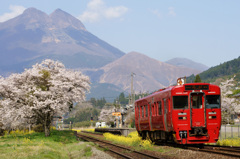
(186, 114)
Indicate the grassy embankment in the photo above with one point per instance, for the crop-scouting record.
(229, 139)
(229, 142)
(24, 145)
(63, 144)
(134, 140)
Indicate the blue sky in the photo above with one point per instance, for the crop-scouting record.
(206, 31)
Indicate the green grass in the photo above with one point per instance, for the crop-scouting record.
(60, 145)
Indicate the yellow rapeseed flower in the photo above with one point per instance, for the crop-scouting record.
(131, 140)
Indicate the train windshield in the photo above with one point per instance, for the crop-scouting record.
(180, 102)
(213, 101)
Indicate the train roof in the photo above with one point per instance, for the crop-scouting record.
(173, 87)
(159, 91)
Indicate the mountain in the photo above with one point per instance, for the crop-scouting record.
(34, 35)
(150, 74)
(184, 62)
(106, 90)
(228, 68)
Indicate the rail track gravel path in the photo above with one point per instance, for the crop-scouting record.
(228, 151)
(222, 150)
(118, 151)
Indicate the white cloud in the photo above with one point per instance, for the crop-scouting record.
(95, 4)
(115, 12)
(171, 11)
(97, 10)
(157, 13)
(14, 11)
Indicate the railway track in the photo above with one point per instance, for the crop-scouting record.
(118, 150)
(222, 150)
(230, 151)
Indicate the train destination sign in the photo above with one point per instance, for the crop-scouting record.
(196, 87)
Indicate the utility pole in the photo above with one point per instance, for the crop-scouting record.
(91, 120)
(132, 99)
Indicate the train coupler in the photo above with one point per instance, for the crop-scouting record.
(183, 134)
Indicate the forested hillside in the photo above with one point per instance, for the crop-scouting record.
(226, 69)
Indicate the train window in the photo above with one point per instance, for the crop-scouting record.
(139, 111)
(142, 111)
(153, 110)
(213, 101)
(180, 102)
(160, 108)
(146, 110)
(165, 106)
(197, 102)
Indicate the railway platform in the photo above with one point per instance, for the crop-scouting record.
(119, 131)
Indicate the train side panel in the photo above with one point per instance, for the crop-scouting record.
(187, 114)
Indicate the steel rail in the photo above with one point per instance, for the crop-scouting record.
(220, 152)
(122, 147)
(115, 152)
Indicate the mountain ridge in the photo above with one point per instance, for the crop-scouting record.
(36, 35)
(184, 62)
(228, 68)
(151, 74)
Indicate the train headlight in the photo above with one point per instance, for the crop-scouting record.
(182, 118)
(210, 117)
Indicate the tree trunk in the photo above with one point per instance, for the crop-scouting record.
(47, 125)
(47, 130)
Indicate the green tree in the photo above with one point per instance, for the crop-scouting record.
(98, 102)
(197, 79)
(93, 101)
(122, 99)
(84, 115)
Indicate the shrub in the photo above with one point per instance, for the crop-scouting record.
(18, 133)
(229, 142)
(131, 140)
(38, 128)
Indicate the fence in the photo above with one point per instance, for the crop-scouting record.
(61, 126)
(229, 131)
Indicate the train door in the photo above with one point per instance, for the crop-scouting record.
(153, 115)
(160, 115)
(139, 116)
(169, 115)
(198, 117)
(165, 113)
(150, 115)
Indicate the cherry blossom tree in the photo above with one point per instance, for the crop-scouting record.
(230, 104)
(39, 93)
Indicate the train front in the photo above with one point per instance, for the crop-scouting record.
(196, 114)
